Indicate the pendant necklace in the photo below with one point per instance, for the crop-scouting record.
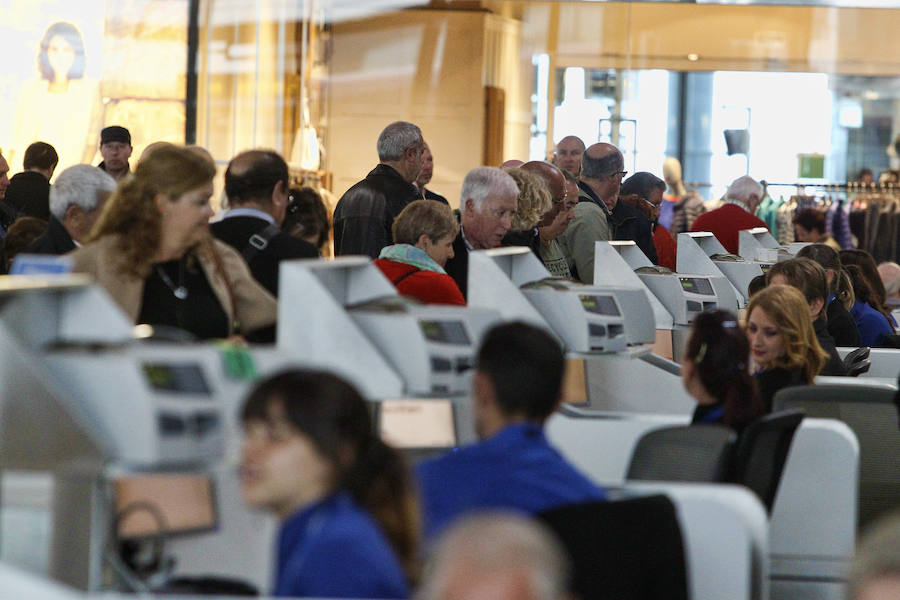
(180, 292)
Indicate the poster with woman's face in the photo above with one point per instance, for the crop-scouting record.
(72, 68)
(49, 87)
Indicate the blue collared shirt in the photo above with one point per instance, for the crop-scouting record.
(517, 469)
(872, 325)
(334, 549)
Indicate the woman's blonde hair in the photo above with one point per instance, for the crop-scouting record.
(533, 201)
(132, 213)
(429, 217)
(787, 307)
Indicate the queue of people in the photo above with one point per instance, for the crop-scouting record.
(353, 516)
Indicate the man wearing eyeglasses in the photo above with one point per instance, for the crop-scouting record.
(602, 169)
(256, 184)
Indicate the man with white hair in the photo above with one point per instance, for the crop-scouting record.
(76, 200)
(365, 213)
(736, 213)
(487, 204)
(498, 556)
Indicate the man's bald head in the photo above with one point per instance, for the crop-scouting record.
(601, 160)
(569, 151)
(258, 177)
(890, 276)
(552, 176)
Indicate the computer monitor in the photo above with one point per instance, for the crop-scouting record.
(575, 385)
(417, 423)
(186, 502)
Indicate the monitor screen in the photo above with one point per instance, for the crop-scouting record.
(446, 332)
(414, 423)
(575, 387)
(696, 285)
(185, 378)
(186, 501)
(600, 305)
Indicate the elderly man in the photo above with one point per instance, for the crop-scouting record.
(116, 149)
(487, 205)
(644, 191)
(499, 556)
(554, 221)
(257, 184)
(76, 200)
(425, 176)
(736, 214)
(602, 169)
(365, 213)
(568, 154)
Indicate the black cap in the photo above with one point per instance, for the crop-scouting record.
(115, 133)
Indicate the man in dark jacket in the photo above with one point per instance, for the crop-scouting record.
(365, 213)
(29, 191)
(257, 184)
(76, 200)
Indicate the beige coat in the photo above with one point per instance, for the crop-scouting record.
(252, 307)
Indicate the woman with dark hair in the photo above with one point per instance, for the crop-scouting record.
(306, 218)
(873, 323)
(61, 106)
(868, 269)
(715, 371)
(783, 342)
(349, 516)
(841, 324)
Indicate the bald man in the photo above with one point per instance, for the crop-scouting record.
(890, 276)
(568, 154)
(602, 169)
(555, 220)
(256, 184)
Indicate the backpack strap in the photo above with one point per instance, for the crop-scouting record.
(405, 275)
(259, 241)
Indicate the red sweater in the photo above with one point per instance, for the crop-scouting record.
(725, 223)
(428, 286)
(665, 247)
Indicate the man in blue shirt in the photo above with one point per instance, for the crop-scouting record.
(517, 385)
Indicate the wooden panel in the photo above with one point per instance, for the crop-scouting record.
(494, 125)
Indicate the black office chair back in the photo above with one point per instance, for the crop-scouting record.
(872, 413)
(859, 367)
(762, 451)
(856, 356)
(699, 453)
(623, 550)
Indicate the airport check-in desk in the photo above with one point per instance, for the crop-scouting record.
(701, 252)
(807, 542)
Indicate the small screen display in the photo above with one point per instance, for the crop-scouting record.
(180, 378)
(445, 332)
(179, 503)
(417, 423)
(600, 305)
(765, 268)
(696, 286)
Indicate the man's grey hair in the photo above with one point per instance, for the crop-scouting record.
(601, 168)
(742, 188)
(490, 544)
(482, 182)
(79, 185)
(877, 556)
(397, 138)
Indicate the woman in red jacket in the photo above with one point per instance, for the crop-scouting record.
(423, 242)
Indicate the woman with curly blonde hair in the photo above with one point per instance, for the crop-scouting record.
(533, 201)
(782, 339)
(152, 251)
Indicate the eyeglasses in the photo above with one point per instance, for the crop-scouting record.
(621, 173)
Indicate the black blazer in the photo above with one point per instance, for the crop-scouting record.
(54, 240)
(236, 232)
(772, 380)
(834, 365)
